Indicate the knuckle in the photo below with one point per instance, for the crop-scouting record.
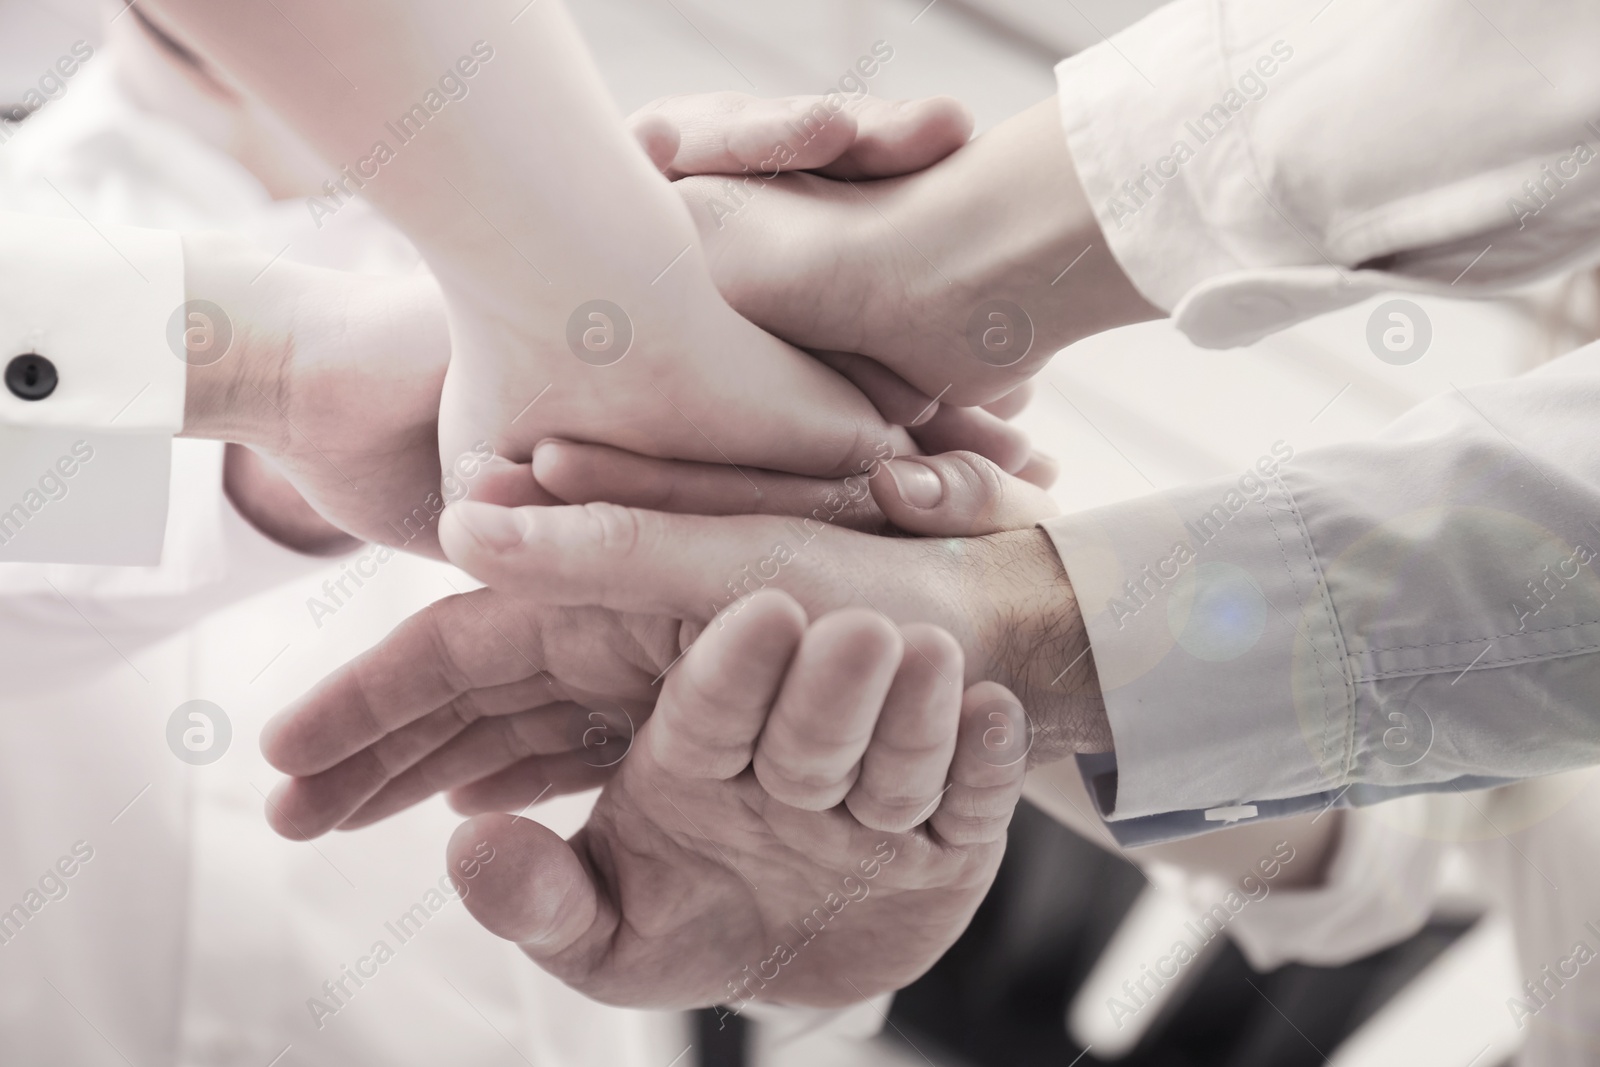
(618, 531)
(980, 482)
(799, 787)
(439, 627)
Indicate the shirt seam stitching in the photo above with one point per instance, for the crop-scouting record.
(1480, 640)
(1531, 657)
(1342, 650)
(1294, 587)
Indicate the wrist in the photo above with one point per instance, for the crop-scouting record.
(238, 339)
(1029, 635)
(1006, 218)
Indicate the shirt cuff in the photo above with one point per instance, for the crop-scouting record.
(95, 306)
(1146, 154)
(1099, 773)
(1216, 644)
(94, 389)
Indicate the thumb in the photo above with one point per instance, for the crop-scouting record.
(736, 133)
(525, 884)
(958, 494)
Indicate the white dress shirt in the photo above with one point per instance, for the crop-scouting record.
(161, 921)
(1353, 623)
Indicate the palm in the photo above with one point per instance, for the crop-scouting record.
(775, 889)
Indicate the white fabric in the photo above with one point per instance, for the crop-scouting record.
(1247, 158)
(95, 301)
(1270, 636)
(1531, 851)
(192, 935)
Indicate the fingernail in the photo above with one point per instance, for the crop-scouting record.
(917, 484)
(496, 528)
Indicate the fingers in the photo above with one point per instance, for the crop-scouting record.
(956, 495)
(448, 648)
(953, 429)
(304, 808)
(904, 769)
(311, 806)
(492, 744)
(520, 786)
(658, 135)
(585, 473)
(897, 400)
(823, 719)
(531, 888)
(987, 772)
(895, 137)
(1040, 470)
(500, 481)
(729, 133)
(715, 702)
(1010, 406)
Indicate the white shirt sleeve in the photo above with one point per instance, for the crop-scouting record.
(1254, 163)
(85, 463)
(1419, 611)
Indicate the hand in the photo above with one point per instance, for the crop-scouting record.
(577, 473)
(335, 378)
(902, 269)
(751, 138)
(488, 694)
(578, 298)
(765, 839)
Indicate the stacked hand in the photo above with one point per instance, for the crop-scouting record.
(727, 737)
(337, 377)
(811, 816)
(846, 721)
(822, 802)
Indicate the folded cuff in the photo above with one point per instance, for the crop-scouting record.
(104, 305)
(1216, 644)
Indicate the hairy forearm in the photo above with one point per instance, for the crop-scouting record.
(1031, 639)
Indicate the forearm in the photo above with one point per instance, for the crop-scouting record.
(1005, 218)
(1025, 630)
(495, 183)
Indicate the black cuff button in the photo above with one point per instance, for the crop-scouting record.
(31, 377)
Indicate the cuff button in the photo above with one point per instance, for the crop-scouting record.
(31, 377)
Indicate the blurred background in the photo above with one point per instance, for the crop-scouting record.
(1124, 413)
